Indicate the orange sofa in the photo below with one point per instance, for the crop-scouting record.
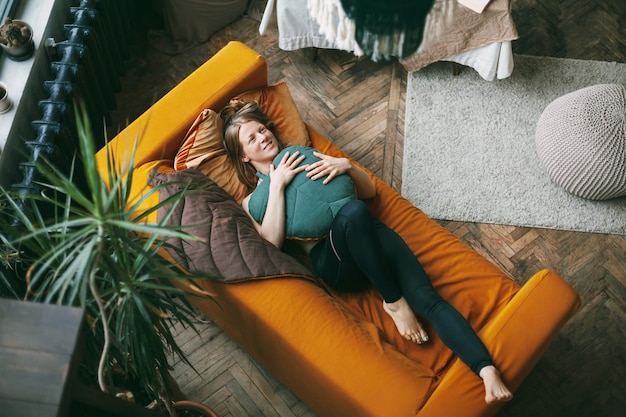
(342, 354)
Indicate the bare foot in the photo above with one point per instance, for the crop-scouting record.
(495, 390)
(405, 320)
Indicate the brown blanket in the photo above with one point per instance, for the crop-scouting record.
(468, 30)
(229, 249)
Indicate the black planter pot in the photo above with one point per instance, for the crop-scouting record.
(20, 52)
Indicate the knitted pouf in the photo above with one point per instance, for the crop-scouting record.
(581, 141)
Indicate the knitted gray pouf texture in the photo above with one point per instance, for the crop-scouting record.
(581, 141)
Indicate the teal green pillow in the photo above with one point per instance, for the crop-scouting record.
(310, 206)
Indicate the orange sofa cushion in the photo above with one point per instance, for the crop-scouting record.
(202, 148)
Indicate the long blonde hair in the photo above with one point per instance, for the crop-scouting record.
(233, 115)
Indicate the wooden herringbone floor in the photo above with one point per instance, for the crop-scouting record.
(360, 105)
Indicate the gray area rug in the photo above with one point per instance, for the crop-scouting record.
(469, 148)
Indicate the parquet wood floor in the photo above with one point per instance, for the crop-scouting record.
(360, 105)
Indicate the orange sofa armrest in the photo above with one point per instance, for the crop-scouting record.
(516, 338)
(160, 130)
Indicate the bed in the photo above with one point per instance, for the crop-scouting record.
(481, 41)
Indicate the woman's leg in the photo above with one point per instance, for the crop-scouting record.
(360, 249)
(452, 327)
(351, 259)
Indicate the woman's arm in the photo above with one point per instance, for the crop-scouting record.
(272, 228)
(330, 167)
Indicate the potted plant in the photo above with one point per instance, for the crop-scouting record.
(87, 246)
(5, 101)
(16, 39)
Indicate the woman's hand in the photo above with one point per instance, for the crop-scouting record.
(272, 228)
(287, 169)
(331, 167)
(327, 166)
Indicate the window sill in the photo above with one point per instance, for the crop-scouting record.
(16, 74)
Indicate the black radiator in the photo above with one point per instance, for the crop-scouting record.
(87, 65)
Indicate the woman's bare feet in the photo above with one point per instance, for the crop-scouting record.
(405, 320)
(495, 390)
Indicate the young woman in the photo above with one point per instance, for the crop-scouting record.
(359, 250)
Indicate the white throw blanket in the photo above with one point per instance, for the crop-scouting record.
(338, 28)
(334, 24)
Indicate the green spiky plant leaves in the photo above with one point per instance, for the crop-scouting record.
(92, 247)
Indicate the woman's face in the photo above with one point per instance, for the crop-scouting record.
(258, 143)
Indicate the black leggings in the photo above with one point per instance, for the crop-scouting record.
(360, 251)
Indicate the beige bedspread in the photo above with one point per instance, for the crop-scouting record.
(468, 30)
